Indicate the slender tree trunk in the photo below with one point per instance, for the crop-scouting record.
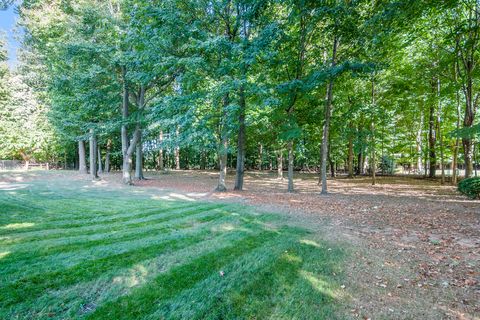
(373, 165)
(223, 150)
(107, 156)
(439, 132)
(241, 141)
(290, 166)
(456, 146)
(432, 141)
(139, 159)
(469, 63)
(326, 123)
(99, 152)
(419, 146)
(93, 155)
(331, 162)
(82, 161)
(177, 151)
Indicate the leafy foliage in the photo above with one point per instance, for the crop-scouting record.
(470, 187)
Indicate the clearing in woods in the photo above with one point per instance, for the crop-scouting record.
(170, 248)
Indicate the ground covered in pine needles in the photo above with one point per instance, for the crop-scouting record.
(169, 247)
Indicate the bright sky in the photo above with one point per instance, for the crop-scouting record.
(7, 25)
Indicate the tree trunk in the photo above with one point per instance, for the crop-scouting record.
(128, 147)
(439, 132)
(280, 165)
(419, 146)
(373, 165)
(177, 150)
(326, 123)
(82, 166)
(456, 146)
(139, 159)
(241, 141)
(223, 150)
(431, 141)
(290, 166)
(107, 156)
(99, 153)
(93, 155)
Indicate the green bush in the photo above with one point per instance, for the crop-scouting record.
(470, 187)
(387, 165)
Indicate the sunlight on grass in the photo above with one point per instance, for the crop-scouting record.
(22, 225)
(310, 243)
(320, 285)
(115, 254)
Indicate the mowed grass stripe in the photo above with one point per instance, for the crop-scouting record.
(14, 272)
(35, 285)
(256, 295)
(206, 298)
(66, 302)
(42, 244)
(144, 300)
(84, 223)
(21, 258)
(57, 210)
(99, 228)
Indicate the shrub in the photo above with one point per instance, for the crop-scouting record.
(387, 165)
(470, 187)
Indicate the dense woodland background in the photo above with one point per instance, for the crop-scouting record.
(352, 87)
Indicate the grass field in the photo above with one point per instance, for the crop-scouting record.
(72, 250)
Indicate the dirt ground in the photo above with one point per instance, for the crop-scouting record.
(415, 244)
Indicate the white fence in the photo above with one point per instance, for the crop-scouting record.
(20, 165)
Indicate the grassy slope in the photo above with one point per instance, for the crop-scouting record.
(70, 250)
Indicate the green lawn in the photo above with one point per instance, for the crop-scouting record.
(72, 250)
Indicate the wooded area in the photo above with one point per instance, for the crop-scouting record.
(349, 87)
(292, 159)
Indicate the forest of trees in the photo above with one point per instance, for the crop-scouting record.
(350, 86)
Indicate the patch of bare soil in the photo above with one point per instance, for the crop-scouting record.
(417, 243)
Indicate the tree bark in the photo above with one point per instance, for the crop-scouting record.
(99, 153)
(290, 166)
(439, 132)
(93, 155)
(82, 161)
(432, 139)
(107, 156)
(326, 122)
(373, 165)
(418, 149)
(177, 150)
(223, 150)
(139, 159)
(240, 170)
(128, 147)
